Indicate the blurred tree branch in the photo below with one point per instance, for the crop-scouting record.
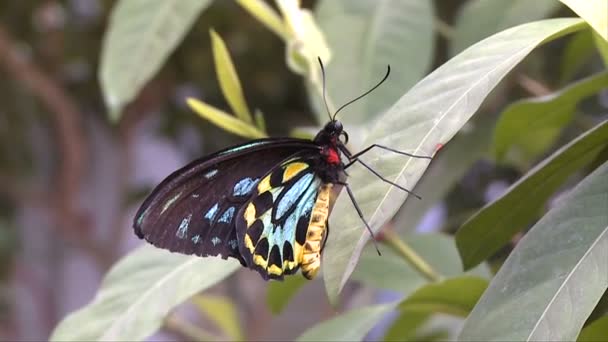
(72, 145)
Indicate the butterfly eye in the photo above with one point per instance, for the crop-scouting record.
(345, 135)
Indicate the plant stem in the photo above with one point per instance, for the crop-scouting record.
(410, 256)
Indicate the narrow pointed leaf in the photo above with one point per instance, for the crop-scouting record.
(379, 32)
(140, 37)
(228, 79)
(225, 120)
(528, 127)
(594, 12)
(266, 15)
(555, 276)
(494, 225)
(350, 326)
(428, 116)
(138, 292)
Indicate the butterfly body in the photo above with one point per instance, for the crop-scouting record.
(264, 203)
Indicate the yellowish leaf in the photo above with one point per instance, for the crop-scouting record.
(225, 120)
(229, 80)
(266, 15)
(222, 311)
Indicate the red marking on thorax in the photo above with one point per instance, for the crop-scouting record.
(332, 156)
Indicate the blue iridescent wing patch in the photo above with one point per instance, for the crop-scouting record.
(194, 210)
(272, 226)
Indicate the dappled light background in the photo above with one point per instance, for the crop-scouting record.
(71, 179)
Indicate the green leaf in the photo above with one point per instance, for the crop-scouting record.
(448, 167)
(494, 225)
(595, 332)
(379, 33)
(391, 272)
(429, 115)
(279, 293)
(527, 128)
(350, 326)
(455, 296)
(578, 51)
(405, 327)
(140, 37)
(138, 292)
(266, 15)
(479, 19)
(602, 46)
(554, 277)
(222, 311)
(594, 13)
(225, 120)
(228, 79)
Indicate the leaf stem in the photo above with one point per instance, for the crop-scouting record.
(410, 256)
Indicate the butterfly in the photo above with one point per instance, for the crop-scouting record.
(265, 203)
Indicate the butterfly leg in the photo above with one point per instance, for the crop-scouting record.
(365, 150)
(380, 176)
(354, 201)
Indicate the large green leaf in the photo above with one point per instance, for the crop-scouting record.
(594, 12)
(553, 279)
(448, 167)
(350, 326)
(429, 115)
(141, 35)
(528, 127)
(479, 19)
(392, 272)
(138, 292)
(395, 32)
(494, 225)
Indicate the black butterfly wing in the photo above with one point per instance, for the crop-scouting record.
(192, 211)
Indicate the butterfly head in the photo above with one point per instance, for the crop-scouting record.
(333, 134)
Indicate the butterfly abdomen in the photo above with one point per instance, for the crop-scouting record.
(311, 252)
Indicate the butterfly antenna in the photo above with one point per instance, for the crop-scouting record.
(324, 88)
(388, 71)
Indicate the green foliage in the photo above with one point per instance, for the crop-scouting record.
(140, 38)
(595, 332)
(138, 292)
(493, 226)
(527, 128)
(550, 282)
(428, 115)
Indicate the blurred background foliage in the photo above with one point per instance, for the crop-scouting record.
(71, 175)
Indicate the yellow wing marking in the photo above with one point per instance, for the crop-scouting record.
(264, 185)
(249, 214)
(293, 169)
